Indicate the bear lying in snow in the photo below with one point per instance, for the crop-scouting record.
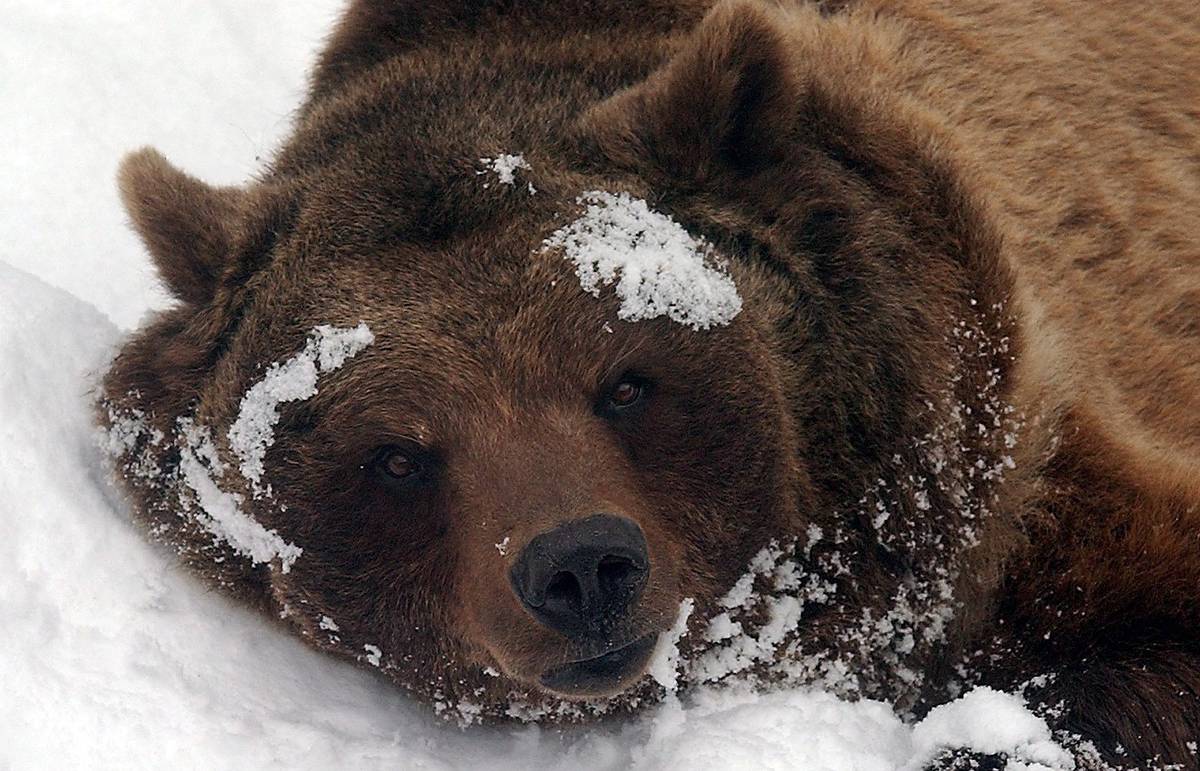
(854, 343)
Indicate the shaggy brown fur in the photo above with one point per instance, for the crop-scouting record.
(966, 379)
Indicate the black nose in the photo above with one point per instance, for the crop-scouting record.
(581, 578)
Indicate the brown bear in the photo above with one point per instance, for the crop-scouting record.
(851, 342)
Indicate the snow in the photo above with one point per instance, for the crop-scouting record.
(327, 349)
(663, 270)
(111, 655)
(220, 511)
(785, 731)
(505, 167)
(374, 654)
(988, 721)
(664, 662)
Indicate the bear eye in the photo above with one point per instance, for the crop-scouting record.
(625, 394)
(397, 464)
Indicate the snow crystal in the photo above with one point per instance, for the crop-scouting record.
(124, 431)
(374, 655)
(469, 713)
(663, 270)
(815, 534)
(741, 592)
(329, 625)
(664, 662)
(220, 511)
(327, 349)
(502, 547)
(505, 167)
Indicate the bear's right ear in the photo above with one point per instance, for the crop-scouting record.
(188, 226)
(725, 102)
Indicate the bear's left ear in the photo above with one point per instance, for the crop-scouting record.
(188, 227)
(725, 102)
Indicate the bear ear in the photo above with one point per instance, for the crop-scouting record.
(725, 102)
(188, 227)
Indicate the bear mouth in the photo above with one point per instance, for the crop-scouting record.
(601, 675)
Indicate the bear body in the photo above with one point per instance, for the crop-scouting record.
(933, 419)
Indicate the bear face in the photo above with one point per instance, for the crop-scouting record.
(390, 408)
(484, 416)
(420, 485)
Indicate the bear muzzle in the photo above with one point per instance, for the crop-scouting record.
(582, 579)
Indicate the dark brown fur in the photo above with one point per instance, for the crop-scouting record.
(966, 238)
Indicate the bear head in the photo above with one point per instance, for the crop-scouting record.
(449, 391)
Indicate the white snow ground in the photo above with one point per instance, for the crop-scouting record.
(110, 657)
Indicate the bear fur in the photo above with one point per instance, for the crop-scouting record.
(953, 437)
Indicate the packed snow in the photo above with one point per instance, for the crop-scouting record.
(112, 656)
(658, 267)
(988, 721)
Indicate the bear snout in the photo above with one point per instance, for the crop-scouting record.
(582, 578)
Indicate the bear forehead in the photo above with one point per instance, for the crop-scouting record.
(463, 329)
(408, 153)
(486, 289)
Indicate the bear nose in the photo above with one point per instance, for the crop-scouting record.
(582, 577)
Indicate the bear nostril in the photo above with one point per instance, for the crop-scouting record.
(564, 591)
(583, 577)
(615, 574)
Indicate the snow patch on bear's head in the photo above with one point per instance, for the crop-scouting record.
(220, 511)
(206, 493)
(505, 166)
(658, 267)
(327, 349)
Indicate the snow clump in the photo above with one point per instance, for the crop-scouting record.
(989, 722)
(664, 662)
(663, 270)
(327, 349)
(220, 511)
(505, 166)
